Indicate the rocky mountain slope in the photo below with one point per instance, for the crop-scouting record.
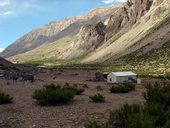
(37, 37)
(57, 30)
(4, 63)
(146, 32)
(135, 29)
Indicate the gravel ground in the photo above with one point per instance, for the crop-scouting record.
(25, 113)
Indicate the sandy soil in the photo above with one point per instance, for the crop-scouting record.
(25, 113)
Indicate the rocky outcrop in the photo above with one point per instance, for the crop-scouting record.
(4, 63)
(157, 2)
(57, 30)
(127, 15)
(138, 24)
(90, 36)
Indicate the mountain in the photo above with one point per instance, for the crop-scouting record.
(133, 33)
(4, 63)
(57, 30)
(148, 32)
(37, 37)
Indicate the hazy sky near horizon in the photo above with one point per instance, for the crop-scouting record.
(18, 17)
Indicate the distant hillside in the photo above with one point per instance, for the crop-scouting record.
(136, 36)
(37, 37)
(5, 63)
(57, 30)
(152, 59)
(133, 34)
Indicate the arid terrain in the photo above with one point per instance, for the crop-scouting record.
(25, 113)
(133, 36)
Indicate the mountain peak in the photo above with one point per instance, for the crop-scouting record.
(103, 34)
(56, 30)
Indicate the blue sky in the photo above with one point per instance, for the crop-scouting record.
(18, 17)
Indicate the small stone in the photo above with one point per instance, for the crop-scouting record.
(34, 126)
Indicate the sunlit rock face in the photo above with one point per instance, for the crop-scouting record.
(57, 30)
(127, 15)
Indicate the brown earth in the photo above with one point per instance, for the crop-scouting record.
(25, 113)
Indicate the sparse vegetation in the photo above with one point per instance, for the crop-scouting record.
(153, 64)
(52, 87)
(53, 95)
(97, 98)
(77, 91)
(154, 113)
(159, 94)
(120, 118)
(65, 64)
(93, 124)
(5, 98)
(104, 42)
(122, 88)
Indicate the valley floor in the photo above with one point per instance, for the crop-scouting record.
(25, 113)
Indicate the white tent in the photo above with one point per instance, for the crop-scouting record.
(121, 77)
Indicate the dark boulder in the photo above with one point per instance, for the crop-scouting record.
(28, 77)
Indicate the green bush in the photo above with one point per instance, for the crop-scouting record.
(53, 95)
(122, 88)
(98, 98)
(119, 89)
(130, 86)
(5, 98)
(158, 103)
(77, 91)
(119, 118)
(155, 113)
(167, 125)
(158, 94)
(140, 120)
(52, 86)
(93, 124)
